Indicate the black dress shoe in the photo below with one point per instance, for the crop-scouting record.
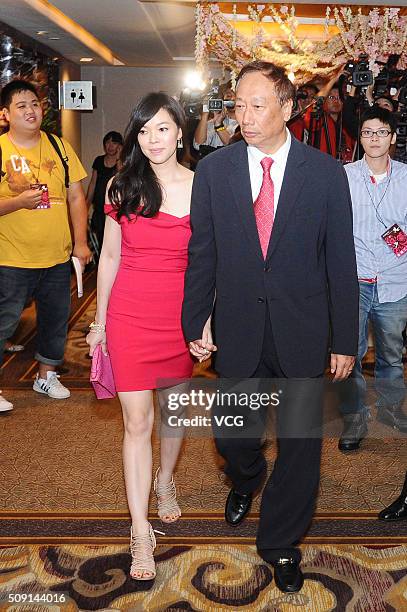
(237, 506)
(355, 429)
(288, 575)
(393, 416)
(397, 511)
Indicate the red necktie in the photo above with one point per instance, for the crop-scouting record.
(264, 206)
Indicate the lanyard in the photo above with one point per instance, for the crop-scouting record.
(376, 207)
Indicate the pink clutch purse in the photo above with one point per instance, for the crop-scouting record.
(101, 375)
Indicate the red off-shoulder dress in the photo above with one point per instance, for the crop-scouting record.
(143, 326)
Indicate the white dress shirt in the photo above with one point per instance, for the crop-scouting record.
(276, 171)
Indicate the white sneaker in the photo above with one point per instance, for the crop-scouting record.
(4, 404)
(51, 387)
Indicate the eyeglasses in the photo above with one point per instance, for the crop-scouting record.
(369, 133)
(333, 98)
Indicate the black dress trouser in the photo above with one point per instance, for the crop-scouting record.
(288, 500)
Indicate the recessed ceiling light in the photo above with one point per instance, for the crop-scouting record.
(86, 59)
(53, 38)
(42, 32)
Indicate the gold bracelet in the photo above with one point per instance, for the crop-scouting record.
(97, 327)
(220, 128)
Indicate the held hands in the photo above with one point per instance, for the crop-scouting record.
(30, 198)
(341, 366)
(94, 338)
(202, 348)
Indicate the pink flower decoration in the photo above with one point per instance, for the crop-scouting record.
(374, 18)
(372, 50)
(350, 37)
(375, 69)
(393, 12)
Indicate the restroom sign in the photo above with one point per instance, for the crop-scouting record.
(76, 95)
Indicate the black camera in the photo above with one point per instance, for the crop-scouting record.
(361, 75)
(216, 105)
(389, 78)
(381, 83)
(193, 101)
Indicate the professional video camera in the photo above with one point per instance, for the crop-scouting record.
(361, 75)
(389, 77)
(193, 101)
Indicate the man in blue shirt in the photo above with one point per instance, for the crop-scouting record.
(378, 188)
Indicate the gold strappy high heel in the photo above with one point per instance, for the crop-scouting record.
(166, 499)
(142, 560)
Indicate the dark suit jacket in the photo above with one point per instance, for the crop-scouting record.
(308, 278)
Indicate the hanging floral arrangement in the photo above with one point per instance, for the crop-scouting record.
(378, 34)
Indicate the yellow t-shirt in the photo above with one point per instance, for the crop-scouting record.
(38, 238)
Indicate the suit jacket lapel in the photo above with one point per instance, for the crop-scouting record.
(294, 177)
(239, 179)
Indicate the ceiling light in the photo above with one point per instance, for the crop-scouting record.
(53, 38)
(194, 80)
(86, 59)
(42, 32)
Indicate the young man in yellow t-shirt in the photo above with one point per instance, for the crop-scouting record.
(35, 239)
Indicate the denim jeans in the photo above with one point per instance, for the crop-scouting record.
(50, 287)
(388, 320)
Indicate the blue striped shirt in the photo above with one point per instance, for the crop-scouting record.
(389, 197)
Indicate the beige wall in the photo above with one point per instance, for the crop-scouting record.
(118, 89)
(71, 120)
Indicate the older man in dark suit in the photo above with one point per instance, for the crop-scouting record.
(272, 257)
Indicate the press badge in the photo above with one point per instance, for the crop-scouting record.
(396, 239)
(45, 203)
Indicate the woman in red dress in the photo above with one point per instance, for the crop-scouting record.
(139, 299)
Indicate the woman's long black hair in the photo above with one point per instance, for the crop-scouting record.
(136, 183)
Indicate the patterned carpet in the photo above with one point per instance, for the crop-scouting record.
(191, 578)
(64, 521)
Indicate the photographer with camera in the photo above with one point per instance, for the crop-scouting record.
(323, 124)
(211, 134)
(388, 90)
(304, 97)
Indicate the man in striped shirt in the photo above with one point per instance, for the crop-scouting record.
(378, 188)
